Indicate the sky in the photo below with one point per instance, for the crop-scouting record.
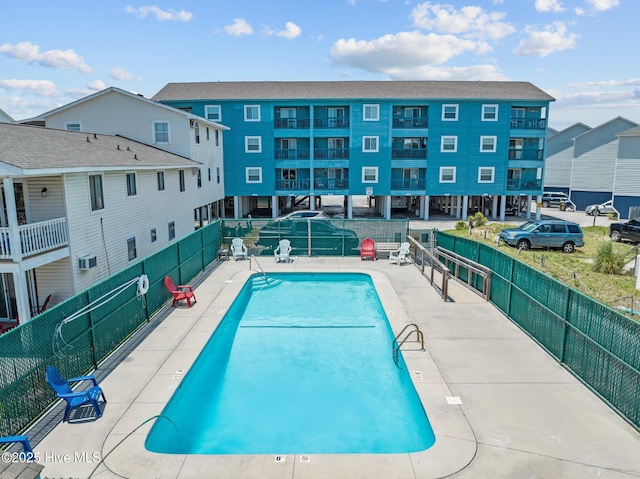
(582, 52)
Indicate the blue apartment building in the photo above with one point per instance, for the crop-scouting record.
(423, 146)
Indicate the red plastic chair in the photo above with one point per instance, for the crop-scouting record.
(183, 291)
(368, 248)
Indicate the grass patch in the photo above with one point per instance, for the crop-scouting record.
(576, 269)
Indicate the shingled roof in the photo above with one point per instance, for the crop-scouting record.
(273, 90)
(35, 150)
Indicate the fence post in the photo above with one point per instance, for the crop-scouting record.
(91, 335)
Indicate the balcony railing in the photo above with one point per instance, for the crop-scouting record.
(519, 154)
(301, 184)
(331, 153)
(292, 123)
(410, 184)
(412, 122)
(331, 184)
(519, 184)
(36, 237)
(292, 154)
(408, 153)
(529, 123)
(337, 122)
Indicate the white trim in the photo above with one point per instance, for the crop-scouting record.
(252, 107)
(206, 113)
(373, 150)
(373, 106)
(258, 169)
(453, 169)
(246, 144)
(372, 169)
(153, 132)
(455, 144)
(493, 174)
(446, 106)
(483, 116)
(495, 144)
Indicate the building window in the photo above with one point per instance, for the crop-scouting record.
(218, 174)
(199, 178)
(253, 175)
(208, 134)
(95, 191)
(161, 132)
(252, 113)
(489, 112)
(370, 174)
(371, 112)
(209, 174)
(486, 174)
(131, 184)
(449, 144)
(447, 174)
(154, 235)
(488, 143)
(131, 249)
(73, 126)
(181, 179)
(253, 144)
(172, 230)
(369, 144)
(196, 129)
(217, 133)
(160, 175)
(449, 112)
(213, 112)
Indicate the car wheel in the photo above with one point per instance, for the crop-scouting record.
(523, 245)
(615, 236)
(568, 247)
(545, 204)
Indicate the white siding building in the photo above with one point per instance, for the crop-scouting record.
(4, 118)
(71, 195)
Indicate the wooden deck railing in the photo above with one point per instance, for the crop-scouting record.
(36, 237)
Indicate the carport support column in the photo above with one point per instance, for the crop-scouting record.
(529, 198)
(458, 206)
(387, 207)
(465, 206)
(538, 209)
(503, 207)
(494, 207)
(312, 202)
(424, 207)
(237, 207)
(274, 207)
(350, 207)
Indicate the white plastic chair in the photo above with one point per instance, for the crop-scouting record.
(282, 251)
(238, 249)
(400, 254)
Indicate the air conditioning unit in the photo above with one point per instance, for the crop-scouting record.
(192, 123)
(87, 262)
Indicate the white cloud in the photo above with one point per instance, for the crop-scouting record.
(238, 27)
(91, 88)
(27, 52)
(549, 6)
(554, 38)
(118, 73)
(161, 15)
(405, 50)
(44, 88)
(290, 32)
(471, 21)
(471, 73)
(603, 5)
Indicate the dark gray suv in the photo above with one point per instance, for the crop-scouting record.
(544, 234)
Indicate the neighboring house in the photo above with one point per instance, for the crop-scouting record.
(419, 145)
(4, 118)
(71, 196)
(118, 112)
(594, 165)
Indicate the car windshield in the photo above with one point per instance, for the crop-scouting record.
(528, 226)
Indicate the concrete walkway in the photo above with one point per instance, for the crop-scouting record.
(515, 414)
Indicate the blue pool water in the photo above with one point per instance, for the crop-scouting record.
(302, 366)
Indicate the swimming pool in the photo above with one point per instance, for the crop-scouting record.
(302, 366)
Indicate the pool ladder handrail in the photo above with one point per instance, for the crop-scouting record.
(397, 346)
(259, 267)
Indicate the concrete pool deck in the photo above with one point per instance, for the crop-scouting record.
(520, 415)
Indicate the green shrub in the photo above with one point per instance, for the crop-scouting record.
(460, 225)
(477, 219)
(607, 261)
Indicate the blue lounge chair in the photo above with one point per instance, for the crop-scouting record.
(78, 398)
(21, 439)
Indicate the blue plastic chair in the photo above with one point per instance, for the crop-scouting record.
(20, 439)
(75, 399)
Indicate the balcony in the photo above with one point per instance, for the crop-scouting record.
(408, 153)
(292, 153)
(523, 184)
(36, 238)
(331, 153)
(337, 122)
(520, 154)
(332, 184)
(528, 123)
(413, 122)
(409, 184)
(292, 123)
(293, 185)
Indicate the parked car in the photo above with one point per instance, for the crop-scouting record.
(625, 231)
(601, 209)
(304, 214)
(544, 234)
(325, 237)
(554, 198)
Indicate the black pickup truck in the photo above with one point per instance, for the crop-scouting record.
(625, 231)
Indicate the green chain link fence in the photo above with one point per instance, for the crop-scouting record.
(600, 346)
(85, 342)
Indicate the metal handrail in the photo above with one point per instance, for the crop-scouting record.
(435, 263)
(397, 346)
(259, 267)
(472, 267)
